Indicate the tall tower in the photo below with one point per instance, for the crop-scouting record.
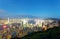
(8, 20)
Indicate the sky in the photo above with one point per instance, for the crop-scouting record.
(41, 8)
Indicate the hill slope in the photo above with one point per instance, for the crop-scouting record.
(53, 33)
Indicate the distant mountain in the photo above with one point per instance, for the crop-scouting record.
(20, 16)
(52, 18)
(26, 16)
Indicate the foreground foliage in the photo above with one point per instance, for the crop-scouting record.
(52, 33)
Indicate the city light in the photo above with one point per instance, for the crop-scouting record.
(4, 26)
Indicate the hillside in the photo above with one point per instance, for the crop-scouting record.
(53, 33)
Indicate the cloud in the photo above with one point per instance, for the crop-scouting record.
(2, 11)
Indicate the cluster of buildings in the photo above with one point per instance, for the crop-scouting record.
(25, 26)
(26, 22)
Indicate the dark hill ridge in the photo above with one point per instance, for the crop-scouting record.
(52, 18)
(52, 33)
